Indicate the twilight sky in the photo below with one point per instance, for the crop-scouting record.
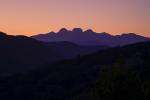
(30, 17)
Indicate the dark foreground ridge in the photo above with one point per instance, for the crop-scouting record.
(120, 73)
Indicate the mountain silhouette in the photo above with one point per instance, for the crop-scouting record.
(21, 53)
(88, 37)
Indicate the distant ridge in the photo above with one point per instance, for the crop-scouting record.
(89, 37)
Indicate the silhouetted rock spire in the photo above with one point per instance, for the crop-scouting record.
(63, 30)
(89, 31)
(2, 34)
(77, 30)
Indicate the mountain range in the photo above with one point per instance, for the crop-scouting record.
(22, 53)
(63, 70)
(89, 37)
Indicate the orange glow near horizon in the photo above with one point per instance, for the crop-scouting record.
(30, 17)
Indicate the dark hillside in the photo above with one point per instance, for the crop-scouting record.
(121, 73)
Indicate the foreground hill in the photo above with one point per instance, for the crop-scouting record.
(89, 37)
(120, 73)
(19, 53)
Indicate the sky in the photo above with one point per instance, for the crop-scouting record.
(30, 17)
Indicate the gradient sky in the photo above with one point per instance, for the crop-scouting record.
(29, 17)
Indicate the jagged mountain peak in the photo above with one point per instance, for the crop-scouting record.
(2, 34)
(77, 30)
(63, 30)
(105, 34)
(89, 31)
